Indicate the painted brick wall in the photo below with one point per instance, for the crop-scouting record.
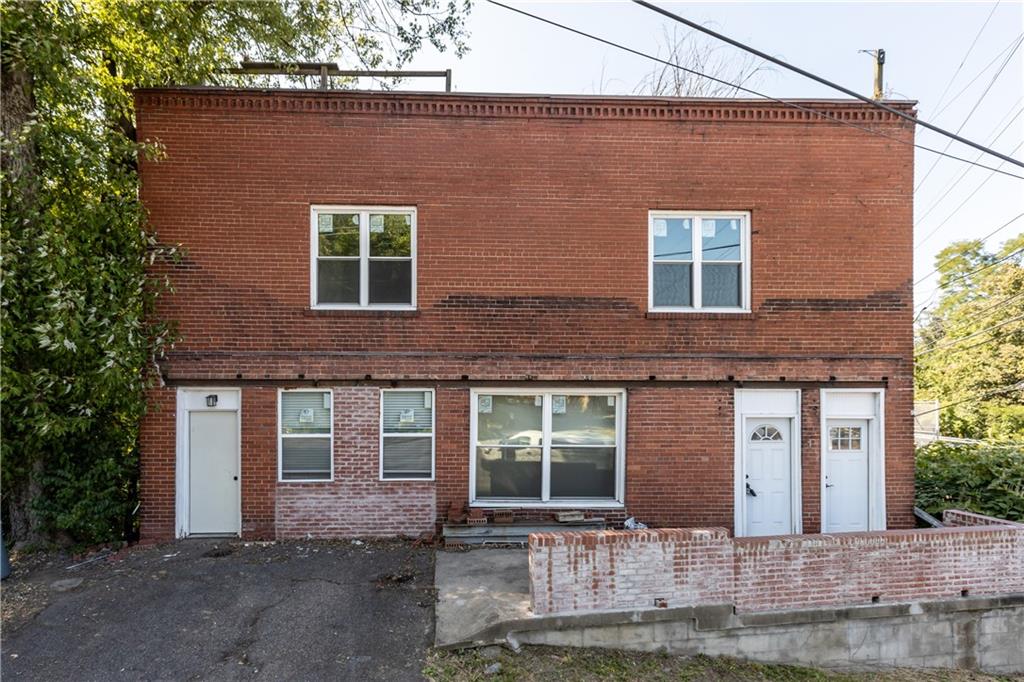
(602, 570)
(356, 503)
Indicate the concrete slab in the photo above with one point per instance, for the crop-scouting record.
(477, 589)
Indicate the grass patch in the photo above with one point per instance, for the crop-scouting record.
(537, 663)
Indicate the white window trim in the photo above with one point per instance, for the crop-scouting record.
(876, 454)
(281, 436)
(433, 437)
(697, 260)
(364, 257)
(572, 503)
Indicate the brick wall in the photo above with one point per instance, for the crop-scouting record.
(607, 570)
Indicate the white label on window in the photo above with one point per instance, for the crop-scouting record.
(306, 415)
(325, 223)
(327, 401)
(484, 404)
(376, 223)
(426, 400)
(707, 229)
(538, 400)
(407, 416)
(558, 404)
(660, 227)
(611, 401)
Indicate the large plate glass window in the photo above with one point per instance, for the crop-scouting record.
(364, 258)
(699, 261)
(407, 434)
(548, 447)
(306, 435)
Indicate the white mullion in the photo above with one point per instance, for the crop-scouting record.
(698, 258)
(545, 457)
(364, 258)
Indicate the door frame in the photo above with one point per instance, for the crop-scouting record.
(876, 450)
(181, 474)
(765, 403)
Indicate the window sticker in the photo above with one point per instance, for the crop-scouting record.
(306, 415)
(707, 229)
(558, 404)
(611, 401)
(484, 403)
(327, 401)
(325, 223)
(376, 223)
(427, 400)
(660, 227)
(407, 416)
(538, 400)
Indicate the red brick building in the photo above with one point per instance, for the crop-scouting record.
(695, 312)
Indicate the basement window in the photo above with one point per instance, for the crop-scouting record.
(407, 434)
(547, 448)
(305, 435)
(699, 261)
(363, 257)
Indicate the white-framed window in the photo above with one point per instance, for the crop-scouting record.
(362, 257)
(699, 261)
(305, 444)
(562, 447)
(407, 434)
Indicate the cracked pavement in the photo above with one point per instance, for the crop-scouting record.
(191, 610)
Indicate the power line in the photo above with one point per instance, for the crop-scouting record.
(959, 340)
(975, 398)
(978, 75)
(824, 81)
(972, 272)
(977, 104)
(740, 88)
(990, 234)
(966, 55)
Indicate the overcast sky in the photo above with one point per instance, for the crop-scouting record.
(925, 43)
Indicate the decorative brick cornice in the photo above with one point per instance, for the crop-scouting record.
(514, 106)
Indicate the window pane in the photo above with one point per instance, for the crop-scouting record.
(672, 285)
(508, 472)
(582, 420)
(720, 238)
(509, 420)
(339, 234)
(673, 239)
(407, 457)
(720, 286)
(305, 458)
(390, 235)
(583, 472)
(391, 281)
(337, 281)
(305, 412)
(407, 411)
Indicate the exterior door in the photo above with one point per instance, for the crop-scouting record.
(768, 479)
(213, 495)
(846, 475)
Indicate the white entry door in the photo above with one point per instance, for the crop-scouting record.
(846, 475)
(213, 487)
(768, 479)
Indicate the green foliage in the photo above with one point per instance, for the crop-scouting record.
(978, 479)
(76, 321)
(970, 349)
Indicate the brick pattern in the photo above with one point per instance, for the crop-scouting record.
(606, 570)
(356, 503)
(157, 465)
(960, 518)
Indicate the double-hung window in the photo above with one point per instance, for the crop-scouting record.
(407, 434)
(306, 435)
(562, 447)
(699, 261)
(363, 257)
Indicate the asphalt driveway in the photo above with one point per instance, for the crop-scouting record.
(227, 610)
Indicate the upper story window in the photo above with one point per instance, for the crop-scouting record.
(699, 261)
(363, 257)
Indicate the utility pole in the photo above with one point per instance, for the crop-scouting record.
(879, 56)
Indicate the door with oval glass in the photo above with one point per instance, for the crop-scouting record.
(767, 477)
(846, 476)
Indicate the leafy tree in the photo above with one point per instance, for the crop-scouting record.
(986, 480)
(76, 324)
(970, 350)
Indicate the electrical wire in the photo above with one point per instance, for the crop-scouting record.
(994, 232)
(999, 391)
(740, 88)
(966, 55)
(973, 335)
(978, 75)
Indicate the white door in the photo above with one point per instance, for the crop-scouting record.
(768, 479)
(213, 493)
(846, 475)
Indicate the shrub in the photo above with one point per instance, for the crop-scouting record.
(985, 480)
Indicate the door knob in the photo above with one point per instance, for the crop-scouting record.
(750, 491)
(236, 478)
